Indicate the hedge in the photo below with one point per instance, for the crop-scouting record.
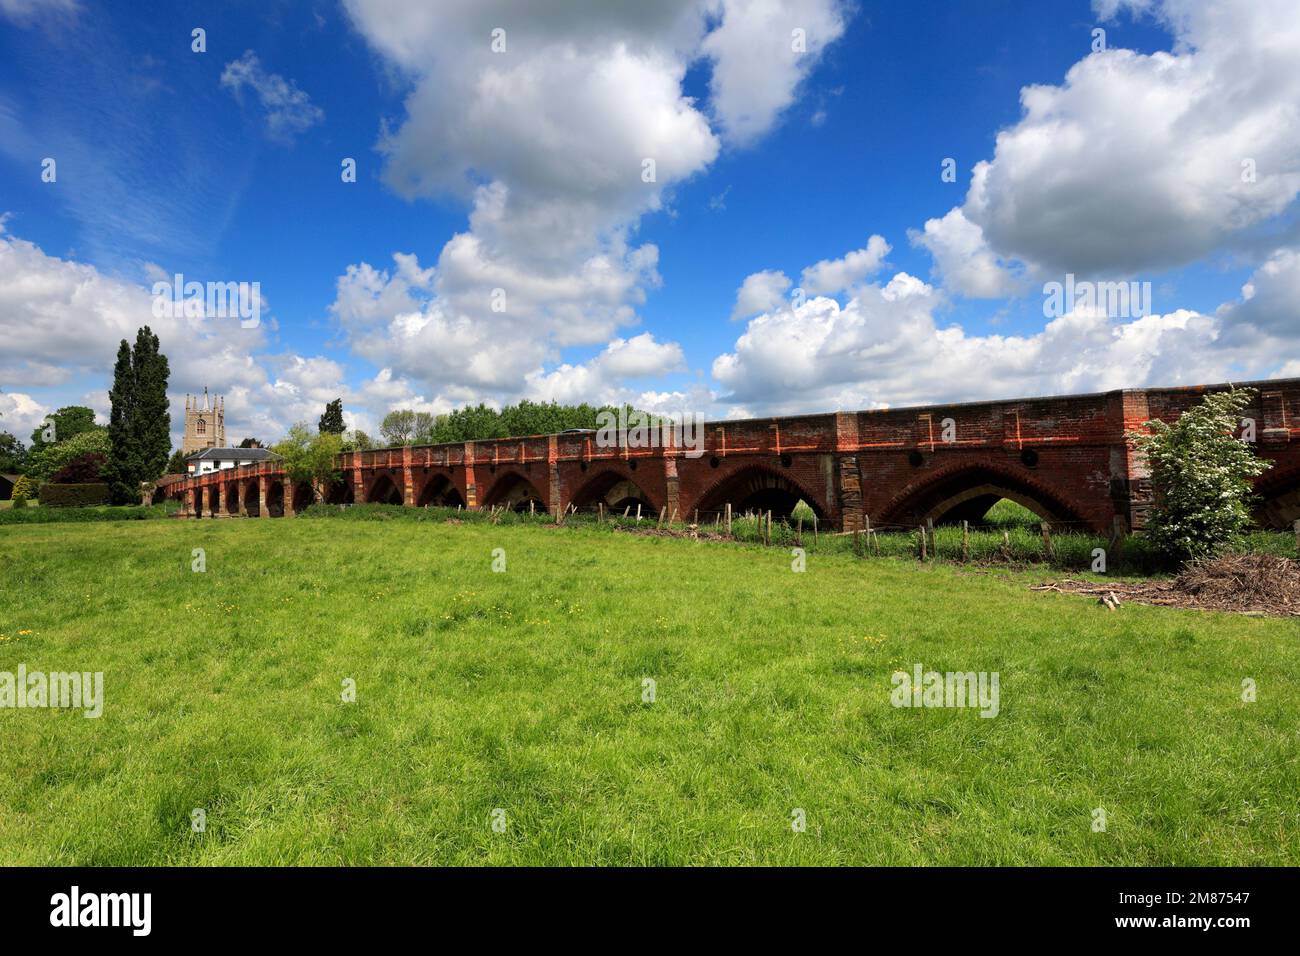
(73, 496)
(59, 515)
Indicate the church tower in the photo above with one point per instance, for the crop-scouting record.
(205, 424)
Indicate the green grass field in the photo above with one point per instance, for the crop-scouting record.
(523, 691)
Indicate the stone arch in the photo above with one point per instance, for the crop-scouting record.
(514, 491)
(965, 492)
(340, 493)
(759, 488)
(275, 497)
(304, 496)
(1279, 499)
(231, 491)
(384, 491)
(252, 499)
(439, 491)
(617, 490)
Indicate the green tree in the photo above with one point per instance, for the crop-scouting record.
(176, 463)
(44, 462)
(13, 454)
(251, 443)
(139, 425)
(68, 422)
(309, 457)
(358, 441)
(153, 421)
(124, 455)
(405, 427)
(1201, 476)
(24, 488)
(332, 420)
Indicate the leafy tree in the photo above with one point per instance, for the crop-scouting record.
(176, 463)
(332, 420)
(13, 454)
(359, 441)
(405, 427)
(44, 462)
(251, 443)
(1201, 476)
(480, 422)
(68, 422)
(84, 469)
(309, 457)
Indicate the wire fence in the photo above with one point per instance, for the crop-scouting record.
(1070, 546)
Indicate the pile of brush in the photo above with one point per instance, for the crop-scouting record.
(1243, 582)
(1246, 583)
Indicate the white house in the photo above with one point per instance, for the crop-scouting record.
(218, 459)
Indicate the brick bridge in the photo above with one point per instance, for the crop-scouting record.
(1065, 458)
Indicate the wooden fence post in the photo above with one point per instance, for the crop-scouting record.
(920, 530)
(965, 542)
(1047, 541)
(728, 519)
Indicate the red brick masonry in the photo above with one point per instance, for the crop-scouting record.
(1065, 457)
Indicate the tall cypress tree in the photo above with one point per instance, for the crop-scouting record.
(152, 420)
(121, 435)
(139, 427)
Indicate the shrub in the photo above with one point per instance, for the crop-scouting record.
(1201, 476)
(24, 488)
(42, 464)
(79, 515)
(74, 496)
(84, 469)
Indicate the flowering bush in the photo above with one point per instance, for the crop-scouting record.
(1201, 476)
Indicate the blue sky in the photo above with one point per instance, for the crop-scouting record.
(225, 166)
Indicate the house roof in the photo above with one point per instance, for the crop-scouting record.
(231, 454)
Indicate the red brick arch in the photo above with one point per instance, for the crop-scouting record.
(504, 480)
(439, 488)
(598, 482)
(946, 488)
(383, 488)
(713, 497)
(1279, 497)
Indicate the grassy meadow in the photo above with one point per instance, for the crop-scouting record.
(522, 691)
